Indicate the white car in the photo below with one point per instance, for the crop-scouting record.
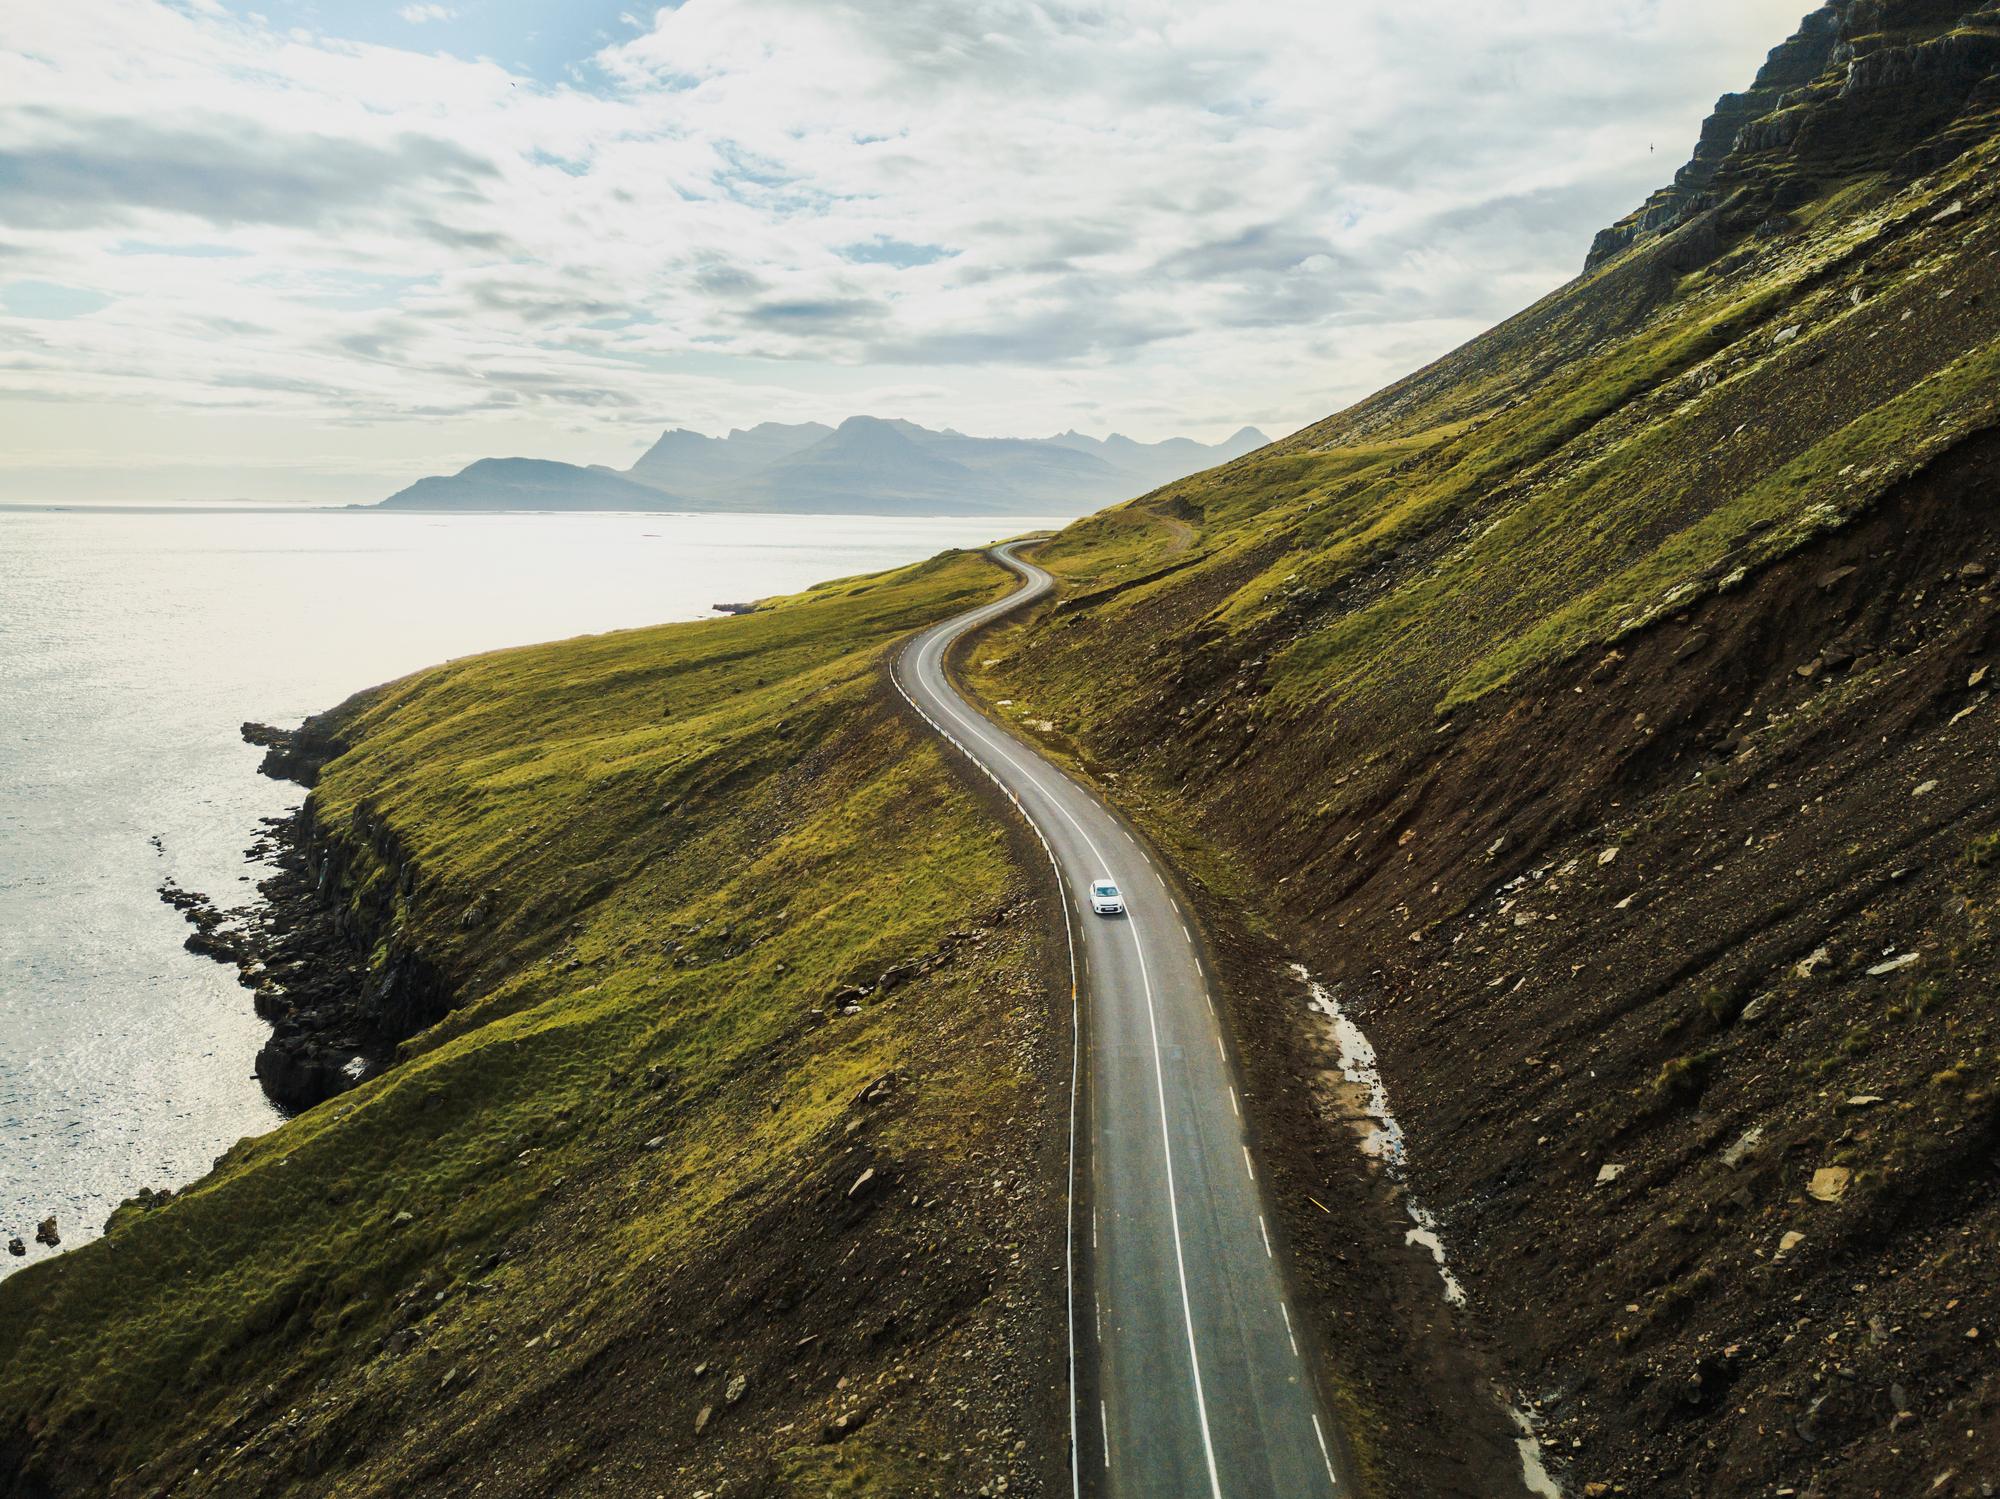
(1105, 899)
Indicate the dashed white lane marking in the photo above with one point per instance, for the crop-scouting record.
(1326, 1456)
(1186, 933)
(1287, 1314)
(1234, 1107)
(1267, 1237)
(1104, 1419)
(1248, 1167)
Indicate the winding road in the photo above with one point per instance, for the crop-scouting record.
(1192, 1376)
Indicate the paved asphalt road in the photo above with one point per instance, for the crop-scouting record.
(1202, 1390)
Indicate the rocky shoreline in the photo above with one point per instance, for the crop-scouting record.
(304, 951)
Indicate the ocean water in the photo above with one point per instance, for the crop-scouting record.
(132, 646)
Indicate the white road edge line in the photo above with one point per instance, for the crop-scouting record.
(1326, 1456)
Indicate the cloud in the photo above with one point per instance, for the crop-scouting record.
(109, 171)
(1028, 215)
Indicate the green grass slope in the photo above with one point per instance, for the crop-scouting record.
(645, 1158)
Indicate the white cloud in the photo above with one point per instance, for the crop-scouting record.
(416, 15)
(1011, 215)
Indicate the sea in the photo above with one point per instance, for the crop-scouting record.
(133, 644)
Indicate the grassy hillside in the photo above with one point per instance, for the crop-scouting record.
(646, 1157)
(1605, 713)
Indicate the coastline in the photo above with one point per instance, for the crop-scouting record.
(303, 949)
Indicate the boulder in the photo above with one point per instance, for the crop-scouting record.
(45, 1232)
(1745, 1147)
(1830, 1183)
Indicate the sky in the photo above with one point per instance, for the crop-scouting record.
(299, 251)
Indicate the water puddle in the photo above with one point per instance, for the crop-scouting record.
(1363, 1102)
(1425, 1234)
(1366, 1096)
(1534, 1473)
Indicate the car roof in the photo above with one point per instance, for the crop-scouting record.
(1102, 885)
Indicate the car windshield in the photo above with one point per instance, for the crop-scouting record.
(1105, 887)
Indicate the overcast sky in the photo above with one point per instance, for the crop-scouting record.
(297, 250)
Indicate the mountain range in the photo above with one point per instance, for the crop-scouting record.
(866, 465)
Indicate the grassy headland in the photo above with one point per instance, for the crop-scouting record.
(646, 1156)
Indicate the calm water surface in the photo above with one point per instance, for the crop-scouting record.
(132, 645)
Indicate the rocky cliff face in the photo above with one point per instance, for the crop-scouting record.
(328, 955)
(1897, 86)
